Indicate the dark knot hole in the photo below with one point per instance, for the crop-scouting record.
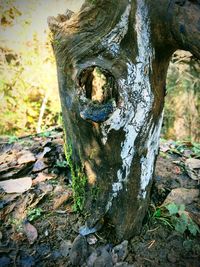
(98, 84)
(98, 94)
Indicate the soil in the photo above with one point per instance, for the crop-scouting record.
(38, 226)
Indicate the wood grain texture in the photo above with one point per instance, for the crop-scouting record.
(131, 42)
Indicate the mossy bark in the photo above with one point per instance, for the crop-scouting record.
(113, 126)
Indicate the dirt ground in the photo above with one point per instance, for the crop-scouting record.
(38, 225)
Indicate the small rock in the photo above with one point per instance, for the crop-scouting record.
(172, 257)
(39, 165)
(30, 232)
(193, 163)
(193, 168)
(46, 232)
(120, 252)
(104, 259)
(79, 251)
(92, 258)
(65, 248)
(182, 196)
(91, 239)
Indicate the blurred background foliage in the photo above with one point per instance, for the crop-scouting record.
(182, 103)
(29, 100)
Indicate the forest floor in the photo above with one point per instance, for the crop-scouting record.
(38, 225)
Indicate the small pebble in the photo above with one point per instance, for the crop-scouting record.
(91, 239)
(104, 259)
(79, 252)
(172, 256)
(65, 247)
(92, 258)
(120, 252)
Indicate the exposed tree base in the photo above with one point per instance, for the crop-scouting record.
(57, 225)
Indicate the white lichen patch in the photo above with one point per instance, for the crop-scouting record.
(113, 39)
(147, 162)
(137, 99)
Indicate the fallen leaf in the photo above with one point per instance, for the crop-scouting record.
(20, 211)
(30, 232)
(44, 152)
(193, 174)
(192, 166)
(7, 210)
(17, 236)
(39, 165)
(19, 185)
(164, 147)
(6, 199)
(182, 196)
(8, 157)
(25, 157)
(193, 163)
(45, 187)
(15, 161)
(61, 199)
(42, 177)
(59, 141)
(37, 200)
(187, 153)
(58, 189)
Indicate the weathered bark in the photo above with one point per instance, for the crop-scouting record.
(112, 129)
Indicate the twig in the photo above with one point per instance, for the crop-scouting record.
(151, 243)
(42, 110)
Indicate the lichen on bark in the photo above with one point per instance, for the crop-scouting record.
(131, 42)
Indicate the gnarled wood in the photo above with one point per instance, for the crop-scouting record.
(112, 130)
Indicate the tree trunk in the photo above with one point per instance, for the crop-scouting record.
(112, 59)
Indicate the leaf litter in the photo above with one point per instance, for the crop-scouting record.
(38, 224)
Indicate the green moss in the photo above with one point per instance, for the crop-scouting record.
(95, 192)
(79, 179)
(79, 182)
(94, 153)
(92, 1)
